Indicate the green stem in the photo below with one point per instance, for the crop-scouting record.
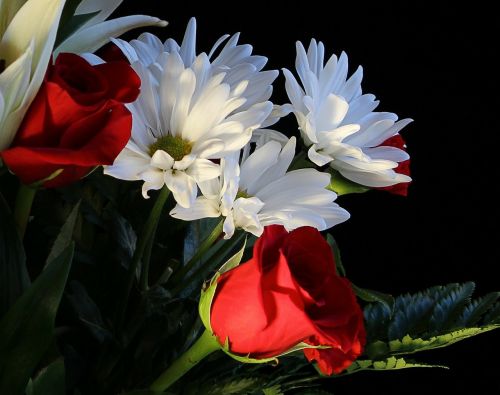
(215, 261)
(204, 246)
(22, 209)
(144, 280)
(204, 346)
(146, 235)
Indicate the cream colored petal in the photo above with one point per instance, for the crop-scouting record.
(8, 8)
(34, 26)
(37, 20)
(14, 82)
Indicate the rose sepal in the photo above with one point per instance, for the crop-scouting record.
(205, 305)
(38, 184)
(342, 186)
(209, 288)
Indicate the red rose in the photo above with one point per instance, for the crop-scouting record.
(403, 167)
(76, 122)
(289, 293)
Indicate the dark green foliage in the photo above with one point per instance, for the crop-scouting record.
(50, 380)
(70, 22)
(14, 278)
(27, 329)
(161, 321)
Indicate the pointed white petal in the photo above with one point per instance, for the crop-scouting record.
(188, 46)
(258, 163)
(277, 170)
(201, 208)
(93, 37)
(185, 89)
(389, 153)
(182, 186)
(153, 180)
(203, 170)
(162, 160)
(105, 9)
(316, 157)
(128, 165)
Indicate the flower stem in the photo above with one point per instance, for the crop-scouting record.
(215, 260)
(144, 280)
(142, 242)
(204, 246)
(204, 346)
(298, 161)
(22, 209)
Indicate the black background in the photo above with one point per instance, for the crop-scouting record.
(435, 64)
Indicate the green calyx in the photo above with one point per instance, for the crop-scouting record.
(175, 146)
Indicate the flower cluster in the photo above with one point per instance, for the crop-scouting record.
(199, 126)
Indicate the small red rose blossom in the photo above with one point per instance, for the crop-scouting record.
(77, 121)
(288, 293)
(403, 167)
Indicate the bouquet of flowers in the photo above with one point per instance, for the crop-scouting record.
(164, 237)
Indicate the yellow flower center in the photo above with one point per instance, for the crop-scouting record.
(175, 146)
(243, 194)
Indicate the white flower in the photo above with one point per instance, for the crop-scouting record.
(97, 31)
(338, 121)
(260, 192)
(234, 60)
(190, 112)
(28, 31)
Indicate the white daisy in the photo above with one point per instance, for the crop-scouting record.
(339, 123)
(190, 112)
(259, 191)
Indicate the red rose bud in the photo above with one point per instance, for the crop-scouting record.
(111, 53)
(403, 167)
(77, 121)
(289, 294)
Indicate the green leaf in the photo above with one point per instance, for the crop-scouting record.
(27, 330)
(123, 236)
(234, 261)
(274, 390)
(233, 386)
(51, 380)
(391, 363)
(70, 22)
(377, 318)
(476, 309)
(449, 308)
(88, 312)
(14, 278)
(409, 345)
(336, 254)
(342, 186)
(65, 235)
(493, 316)
(412, 315)
(369, 295)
